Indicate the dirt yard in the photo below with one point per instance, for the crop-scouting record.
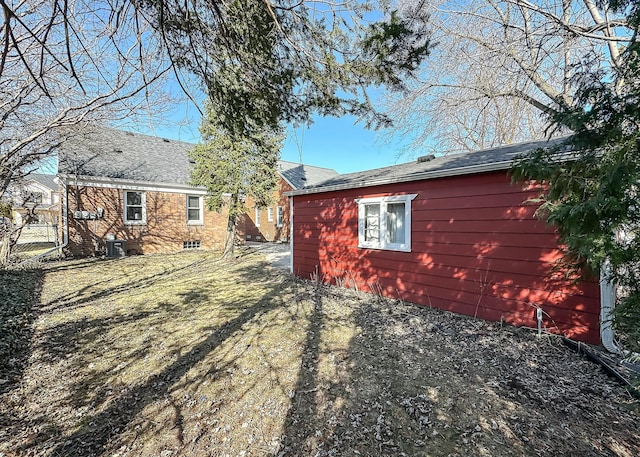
(184, 355)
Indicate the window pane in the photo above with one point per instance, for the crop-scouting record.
(279, 215)
(193, 201)
(395, 222)
(134, 213)
(193, 214)
(372, 222)
(34, 197)
(134, 198)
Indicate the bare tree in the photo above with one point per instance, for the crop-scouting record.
(498, 68)
(65, 62)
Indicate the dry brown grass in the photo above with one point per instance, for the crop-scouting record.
(187, 355)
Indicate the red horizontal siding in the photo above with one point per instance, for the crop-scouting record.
(477, 248)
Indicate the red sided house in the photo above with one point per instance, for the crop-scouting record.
(451, 232)
(272, 223)
(133, 189)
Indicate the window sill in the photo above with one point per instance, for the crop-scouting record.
(195, 223)
(385, 248)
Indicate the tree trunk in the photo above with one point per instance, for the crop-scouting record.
(230, 239)
(5, 249)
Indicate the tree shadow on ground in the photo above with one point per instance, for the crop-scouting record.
(304, 417)
(100, 429)
(142, 282)
(20, 291)
(418, 381)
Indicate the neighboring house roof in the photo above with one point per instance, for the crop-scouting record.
(45, 180)
(19, 192)
(110, 153)
(430, 167)
(299, 175)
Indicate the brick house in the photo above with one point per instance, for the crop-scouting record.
(272, 223)
(132, 187)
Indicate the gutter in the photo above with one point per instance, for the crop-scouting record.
(607, 303)
(132, 184)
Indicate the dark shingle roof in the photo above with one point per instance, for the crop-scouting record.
(299, 175)
(499, 158)
(110, 153)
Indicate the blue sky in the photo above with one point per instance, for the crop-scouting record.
(340, 144)
(329, 142)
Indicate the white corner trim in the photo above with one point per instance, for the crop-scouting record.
(290, 234)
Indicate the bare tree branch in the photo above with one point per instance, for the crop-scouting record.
(507, 51)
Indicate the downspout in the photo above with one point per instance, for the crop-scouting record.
(291, 234)
(607, 303)
(65, 226)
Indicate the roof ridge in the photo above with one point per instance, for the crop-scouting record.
(518, 145)
(144, 135)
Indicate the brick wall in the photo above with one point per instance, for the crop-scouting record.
(165, 230)
(267, 230)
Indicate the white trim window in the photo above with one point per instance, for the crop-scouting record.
(385, 222)
(194, 210)
(257, 217)
(135, 207)
(269, 214)
(279, 216)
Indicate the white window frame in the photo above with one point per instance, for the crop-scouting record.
(191, 244)
(279, 216)
(269, 214)
(383, 243)
(200, 219)
(144, 208)
(257, 217)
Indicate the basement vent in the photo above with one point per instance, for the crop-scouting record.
(192, 161)
(427, 158)
(166, 141)
(117, 150)
(191, 244)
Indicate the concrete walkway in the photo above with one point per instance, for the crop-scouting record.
(277, 254)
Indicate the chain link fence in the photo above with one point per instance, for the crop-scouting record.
(36, 239)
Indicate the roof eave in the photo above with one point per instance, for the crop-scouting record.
(286, 180)
(472, 169)
(69, 178)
